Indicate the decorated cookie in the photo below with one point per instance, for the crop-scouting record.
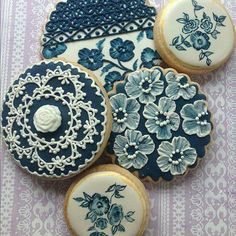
(106, 201)
(55, 119)
(194, 36)
(161, 124)
(111, 38)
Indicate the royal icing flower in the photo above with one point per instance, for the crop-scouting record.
(176, 156)
(132, 149)
(206, 23)
(150, 58)
(115, 214)
(145, 85)
(161, 118)
(200, 40)
(190, 26)
(101, 223)
(111, 78)
(99, 204)
(47, 119)
(196, 119)
(179, 86)
(122, 50)
(91, 59)
(125, 113)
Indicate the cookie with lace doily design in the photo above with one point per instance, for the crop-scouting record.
(55, 119)
(201, 37)
(111, 38)
(107, 200)
(161, 124)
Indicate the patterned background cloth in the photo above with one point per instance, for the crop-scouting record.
(202, 203)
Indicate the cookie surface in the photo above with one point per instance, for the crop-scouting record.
(201, 37)
(111, 38)
(107, 200)
(55, 119)
(161, 124)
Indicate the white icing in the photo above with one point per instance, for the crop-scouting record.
(99, 183)
(71, 54)
(222, 46)
(47, 119)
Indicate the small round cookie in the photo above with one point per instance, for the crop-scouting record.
(194, 36)
(107, 200)
(56, 119)
(161, 124)
(111, 38)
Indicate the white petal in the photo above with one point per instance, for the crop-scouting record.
(178, 169)
(140, 161)
(204, 130)
(174, 121)
(146, 144)
(172, 91)
(132, 105)
(150, 111)
(190, 156)
(188, 112)
(118, 101)
(133, 136)
(165, 149)
(167, 105)
(170, 77)
(164, 132)
(132, 120)
(118, 127)
(125, 162)
(180, 143)
(163, 163)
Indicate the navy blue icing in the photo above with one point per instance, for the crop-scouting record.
(76, 20)
(151, 169)
(96, 100)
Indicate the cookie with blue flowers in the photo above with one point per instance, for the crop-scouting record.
(105, 201)
(56, 119)
(110, 38)
(161, 124)
(194, 36)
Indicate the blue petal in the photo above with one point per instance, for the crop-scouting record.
(150, 111)
(164, 132)
(132, 106)
(166, 105)
(204, 130)
(151, 126)
(133, 136)
(146, 145)
(190, 127)
(119, 144)
(118, 101)
(179, 169)
(147, 98)
(118, 127)
(200, 106)
(174, 121)
(165, 149)
(132, 120)
(170, 77)
(189, 112)
(180, 143)
(125, 162)
(140, 161)
(172, 91)
(190, 156)
(163, 163)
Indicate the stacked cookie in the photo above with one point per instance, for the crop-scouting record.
(101, 93)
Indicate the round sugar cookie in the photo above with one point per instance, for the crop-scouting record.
(111, 38)
(107, 200)
(194, 36)
(56, 119)
(161, 124)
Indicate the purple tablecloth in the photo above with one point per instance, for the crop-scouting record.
(202, 203)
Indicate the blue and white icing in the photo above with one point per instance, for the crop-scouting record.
(161, 123)
(54, 119)
(111, 38)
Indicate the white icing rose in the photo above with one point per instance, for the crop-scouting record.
(47, 118)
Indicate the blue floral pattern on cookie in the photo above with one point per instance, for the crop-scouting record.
(109, 49)
(125, 113)
(176, 156)
(161, 118)
(145, 85)
(198, 33)
(173, 128)
(132, 148)
(179, 86)
(104, 212)
(196, 119)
